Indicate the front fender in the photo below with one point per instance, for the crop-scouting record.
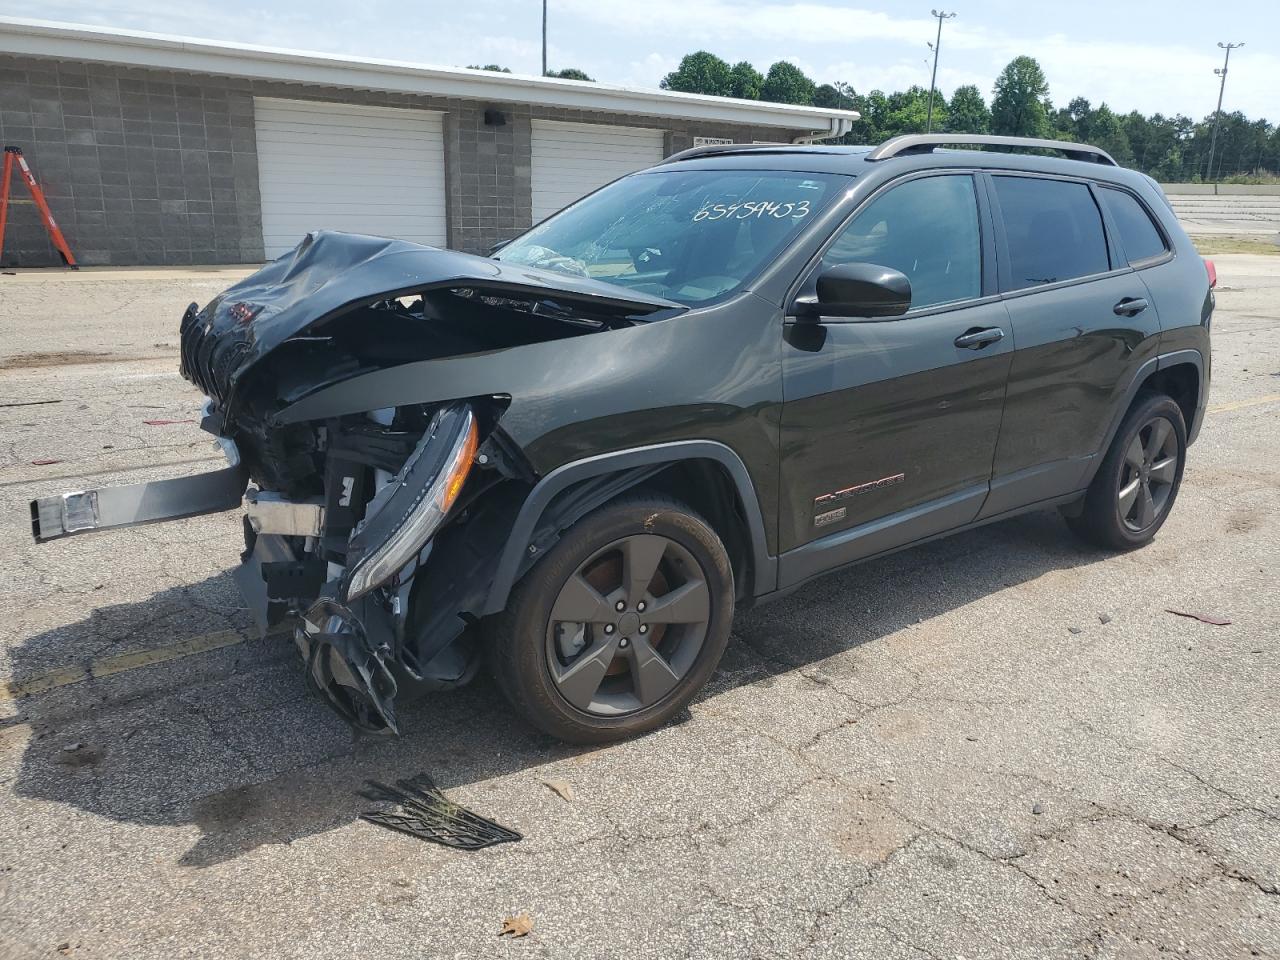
(521, 550)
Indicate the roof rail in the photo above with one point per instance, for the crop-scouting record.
(925, 142)
(714, 149)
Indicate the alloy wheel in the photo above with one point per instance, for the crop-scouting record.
(1147, 474)
(627, 625)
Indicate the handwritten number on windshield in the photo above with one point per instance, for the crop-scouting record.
(753, 208)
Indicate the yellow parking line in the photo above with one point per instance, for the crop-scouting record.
(120, 663)
(1241, 404)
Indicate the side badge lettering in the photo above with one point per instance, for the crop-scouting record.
(828, 500)
(831, 516)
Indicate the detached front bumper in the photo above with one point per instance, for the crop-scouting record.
(83, 511)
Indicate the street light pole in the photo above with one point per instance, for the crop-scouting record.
(544, 37)
(933, 79)
(1217, 117)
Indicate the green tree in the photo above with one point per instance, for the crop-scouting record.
(1107, 131)
(967, 112)
(1073, 120)
(700, 72)
(870, 128)
(745, 81)
(786, 83)
(835, 96)
(908, 111)
(1019, 105)
(570, 73)
(492, 67)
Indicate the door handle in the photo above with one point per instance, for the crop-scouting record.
(1130, 307)
(979, 337)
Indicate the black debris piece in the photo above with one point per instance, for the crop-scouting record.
(426, 813)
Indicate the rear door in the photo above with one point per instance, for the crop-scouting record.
(889, 425)
(1083, 324)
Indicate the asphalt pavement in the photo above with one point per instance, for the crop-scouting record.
(1000, 744)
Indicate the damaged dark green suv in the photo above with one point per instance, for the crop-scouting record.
(692, 390)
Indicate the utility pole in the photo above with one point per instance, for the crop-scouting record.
(544, 37)
(933, 80)
(1217, 118)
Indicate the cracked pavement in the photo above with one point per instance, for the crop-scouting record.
(995, 745)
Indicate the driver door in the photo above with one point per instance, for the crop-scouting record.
(889, 426)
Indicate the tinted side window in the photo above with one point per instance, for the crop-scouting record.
(1140, 237)
(1054, 230)
(926, 228)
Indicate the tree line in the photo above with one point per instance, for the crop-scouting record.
(1170, 148)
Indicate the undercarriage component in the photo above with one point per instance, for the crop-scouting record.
(345, 669)
(272, 513)
(262, 551)
(138, 503)
(428, 814)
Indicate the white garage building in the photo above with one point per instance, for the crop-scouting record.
(160, 149)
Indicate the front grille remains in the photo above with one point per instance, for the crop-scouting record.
(208, 360)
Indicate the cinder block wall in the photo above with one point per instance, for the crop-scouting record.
(156, 167)
(138, 166)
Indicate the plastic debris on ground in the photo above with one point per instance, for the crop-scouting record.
(426, 813)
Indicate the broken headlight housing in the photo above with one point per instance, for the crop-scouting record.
(406, 514)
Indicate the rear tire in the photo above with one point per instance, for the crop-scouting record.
(1136, 485)
(616, 629)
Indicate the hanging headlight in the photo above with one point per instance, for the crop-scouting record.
(409, 511)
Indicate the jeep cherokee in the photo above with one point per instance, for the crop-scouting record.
(694, 389)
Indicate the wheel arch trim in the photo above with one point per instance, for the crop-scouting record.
(764, 565)
(1144, 373)
(1196, 359)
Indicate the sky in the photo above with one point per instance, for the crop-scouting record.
(1134, 56)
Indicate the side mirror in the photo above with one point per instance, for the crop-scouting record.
(857, 290)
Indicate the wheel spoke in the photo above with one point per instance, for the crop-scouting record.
(1128, 494)
(1163, 471)
(688, 603)
(582, 679)
(1160, 430)
(579, 602)
(1134, 455)
(1146, 508)
(641, 555)
(652, 675)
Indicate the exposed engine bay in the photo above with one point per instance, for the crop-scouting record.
(374, 531)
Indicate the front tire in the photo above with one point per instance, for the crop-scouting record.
(616, 629)
(1136, 485)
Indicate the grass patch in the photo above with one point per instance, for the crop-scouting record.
(1209, 246)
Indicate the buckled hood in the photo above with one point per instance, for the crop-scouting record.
(330, 272)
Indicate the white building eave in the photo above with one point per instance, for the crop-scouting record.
(74, 42)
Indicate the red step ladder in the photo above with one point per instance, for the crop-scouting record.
(13, 156)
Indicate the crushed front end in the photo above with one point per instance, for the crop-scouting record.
(373, 533)
(337, 545)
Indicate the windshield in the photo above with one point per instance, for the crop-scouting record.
(691, 236)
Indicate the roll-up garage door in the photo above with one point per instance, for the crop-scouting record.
(337, 166)
(572, 159)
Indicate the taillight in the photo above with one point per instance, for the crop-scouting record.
(1212, 271)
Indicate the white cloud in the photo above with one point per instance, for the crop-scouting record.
(828, 38)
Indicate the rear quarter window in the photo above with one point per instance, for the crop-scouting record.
(1141, 238)
(1054, 230)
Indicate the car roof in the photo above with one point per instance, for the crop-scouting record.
(855, 161)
